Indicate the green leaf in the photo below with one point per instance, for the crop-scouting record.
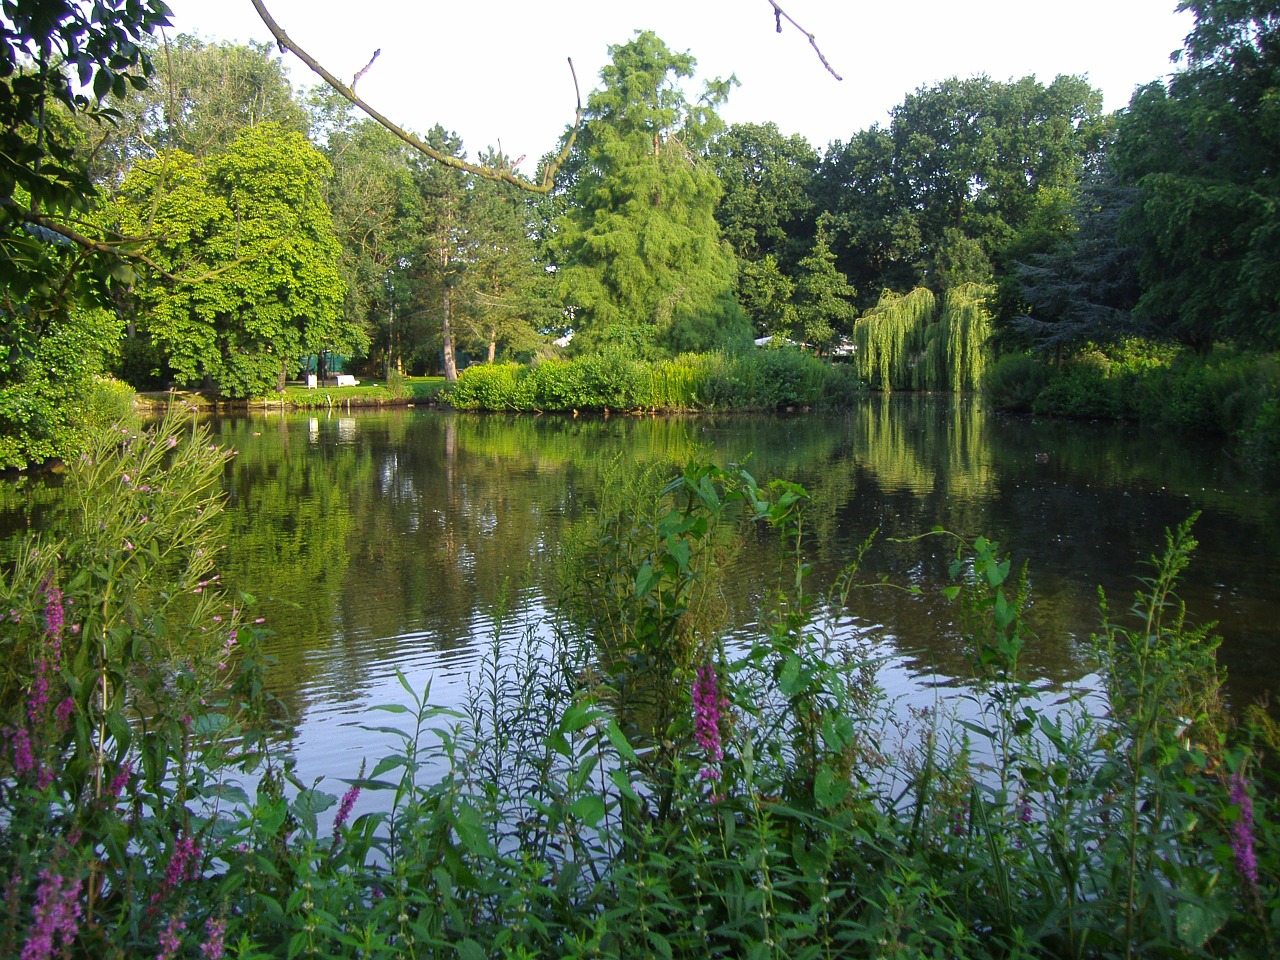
(619, 740)
(1199, 920)
(623, 782)
(471, 950)
(580, 715)
(829, 789)
(644, 579)
(590, 809)
(387, 763)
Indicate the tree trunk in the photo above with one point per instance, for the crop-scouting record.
(446, 330)
(446, 309)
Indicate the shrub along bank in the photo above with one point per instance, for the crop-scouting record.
(625, 784)
(1230, 393)
(769, 379)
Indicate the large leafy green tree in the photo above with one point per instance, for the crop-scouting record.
(250, 256)
(968, 171)
(767, 206)
(1202, 151)
(641, 261)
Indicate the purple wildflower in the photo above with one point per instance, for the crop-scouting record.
(184, 862)
(214, 931)
(344, 808)
(119, 780)
(171, 939)
(707, 704)
(24, 760)
(53, 612)
(56, 914)
(38, 696)
(64, 711)
(706, 712)
(227, 649)
(1242, 839)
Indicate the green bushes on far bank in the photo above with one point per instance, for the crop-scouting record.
(1227, 392)
(771, 379)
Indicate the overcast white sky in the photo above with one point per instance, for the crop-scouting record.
(495, 71)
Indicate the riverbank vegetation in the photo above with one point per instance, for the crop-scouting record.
(623, 781)
(782, 378)
(207, 226)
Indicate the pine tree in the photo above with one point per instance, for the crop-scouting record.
(642, 262)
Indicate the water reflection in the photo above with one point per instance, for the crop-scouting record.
(392, 540)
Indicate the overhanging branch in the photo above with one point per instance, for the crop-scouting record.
(779, 15)
(500, 173)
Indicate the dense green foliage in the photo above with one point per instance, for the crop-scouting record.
(969, 175)
(1228, 392)
(1201, 151)
(776, 379)
(667, 233)
(57, 58)
(623, 784)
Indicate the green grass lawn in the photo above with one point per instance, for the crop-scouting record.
(368, 393)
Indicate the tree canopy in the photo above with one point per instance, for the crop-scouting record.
(1201, 151)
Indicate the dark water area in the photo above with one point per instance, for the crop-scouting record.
(389, 541)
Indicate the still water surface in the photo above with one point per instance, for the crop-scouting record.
(384, 541)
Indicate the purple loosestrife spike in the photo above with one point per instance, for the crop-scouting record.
(214, 931)
(706, 712)
(38, 696)
(183, 865)
(53, 612)
(1242, 839)
(171, 939)
(56, 914)
(24, 760)
(344, 808)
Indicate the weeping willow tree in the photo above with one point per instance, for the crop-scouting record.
(905, 342)
(890, 336)
(967, 322)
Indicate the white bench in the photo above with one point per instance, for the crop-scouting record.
(342, 380)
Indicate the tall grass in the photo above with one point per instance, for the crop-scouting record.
(623, 782)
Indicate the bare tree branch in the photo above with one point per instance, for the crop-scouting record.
(779, 15)
(365, 69)
(501, 173)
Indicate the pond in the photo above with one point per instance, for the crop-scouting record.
(385, 541)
